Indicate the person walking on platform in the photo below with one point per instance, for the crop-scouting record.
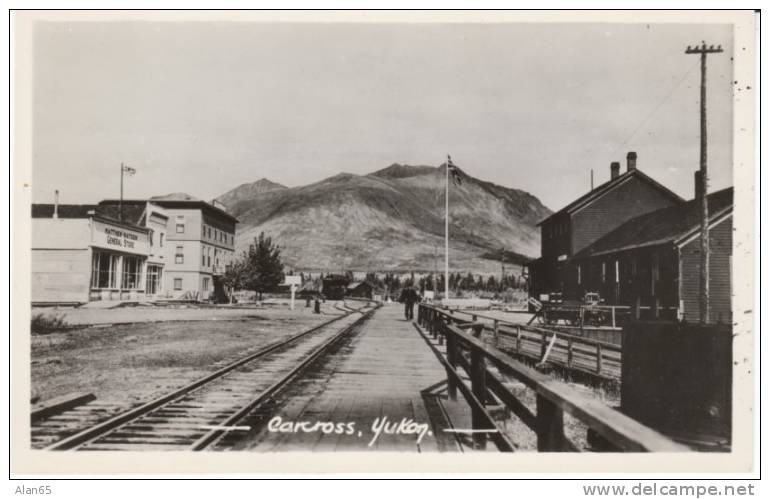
(409, 297)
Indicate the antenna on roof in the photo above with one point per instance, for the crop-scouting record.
(592, 179)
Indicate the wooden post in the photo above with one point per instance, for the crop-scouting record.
(496, 332)
(442, 332)
(582, 318)
(613, 316)
(656, 307)
(637, 307)
(598, 358)
(569, 352)
(518, 339)
(479, 389)
(550, 426)
(451, 356)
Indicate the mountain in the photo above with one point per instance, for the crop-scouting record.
(391, 219)
(247, 192)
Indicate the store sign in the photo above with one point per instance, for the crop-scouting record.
(118, 238)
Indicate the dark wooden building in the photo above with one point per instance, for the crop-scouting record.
(361, 289)
(655, 258)
(590, 217)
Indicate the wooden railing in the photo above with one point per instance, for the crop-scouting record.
(569, 351)
(467, 352)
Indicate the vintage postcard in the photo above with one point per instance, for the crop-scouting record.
(286, 242)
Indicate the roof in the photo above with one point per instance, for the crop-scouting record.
(133, 213)
(175, 196)
(667, 225)
(594, 194)
(63, 211)
(81, 211)
(176, 200)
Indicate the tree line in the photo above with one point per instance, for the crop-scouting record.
(261, 270)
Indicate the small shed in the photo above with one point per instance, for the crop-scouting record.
(360, 290)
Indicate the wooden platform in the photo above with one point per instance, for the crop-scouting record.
(385, 371)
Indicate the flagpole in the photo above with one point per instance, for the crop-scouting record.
(446, 234)
(121, 193)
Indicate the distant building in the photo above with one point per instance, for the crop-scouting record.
(590, 217)
(361, 289)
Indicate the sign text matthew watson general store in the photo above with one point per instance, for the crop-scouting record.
(117, 237)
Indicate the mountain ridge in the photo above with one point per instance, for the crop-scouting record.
(392, 218)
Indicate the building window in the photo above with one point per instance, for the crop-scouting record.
(205, 284)
(203, 257)
(160, 239)
(179, 256)
(208, 257)
(654, 272)
(180, 228)
(579, 280)
(604, 271)
(152, 237)
(154, 279)
(617, 271)
(132, 272)
(177, 284)
(103, 270)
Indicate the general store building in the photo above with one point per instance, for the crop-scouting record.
(79, 256)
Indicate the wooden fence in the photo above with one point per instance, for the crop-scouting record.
(467, 352)
(569, 351)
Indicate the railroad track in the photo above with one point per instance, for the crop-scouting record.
(197, 415)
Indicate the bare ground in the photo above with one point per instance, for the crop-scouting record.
(126, 364)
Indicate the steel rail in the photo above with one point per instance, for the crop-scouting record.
(209, 438)
(104, 427)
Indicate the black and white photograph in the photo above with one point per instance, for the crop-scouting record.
(346, 235)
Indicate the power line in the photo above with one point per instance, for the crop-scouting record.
(655, 110)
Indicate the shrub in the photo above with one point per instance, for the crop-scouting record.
(45, 324)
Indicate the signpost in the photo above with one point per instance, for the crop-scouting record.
(293, 281)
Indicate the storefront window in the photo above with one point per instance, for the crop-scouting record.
(132, 272)
(103, 270)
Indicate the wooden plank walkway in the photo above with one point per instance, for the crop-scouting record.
(383, 373)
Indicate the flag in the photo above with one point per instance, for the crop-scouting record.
(453, 170)
(129, 170)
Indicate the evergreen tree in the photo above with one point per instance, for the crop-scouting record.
(264, 270)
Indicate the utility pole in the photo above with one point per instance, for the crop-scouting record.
(446, 233)
(120, 206)
(704, 50)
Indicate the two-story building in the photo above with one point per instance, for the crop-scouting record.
(585, 220)
(199, 243)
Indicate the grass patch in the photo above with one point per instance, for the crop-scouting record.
(46, 324)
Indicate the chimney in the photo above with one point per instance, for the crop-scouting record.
(698, 184)
(631, 161)
(56, 203)
(614, 169)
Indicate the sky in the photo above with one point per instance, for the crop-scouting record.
(204, 107)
